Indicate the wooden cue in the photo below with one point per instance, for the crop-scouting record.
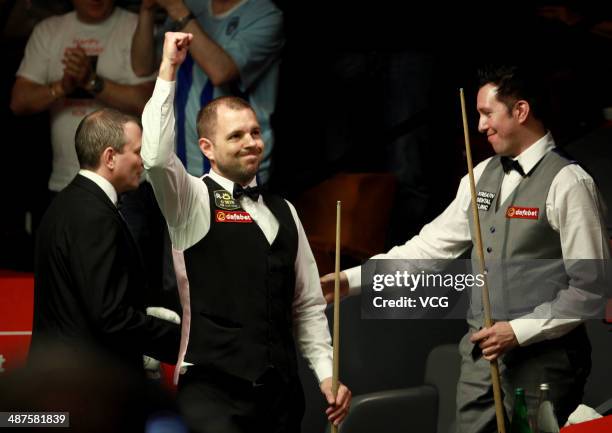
(499, 408)
(336, 337)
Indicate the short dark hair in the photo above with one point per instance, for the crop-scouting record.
(207, 117)
(516, 82)
(99, 130)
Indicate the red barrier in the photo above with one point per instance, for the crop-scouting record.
(599, 425)
(16, 311)
(16, 314)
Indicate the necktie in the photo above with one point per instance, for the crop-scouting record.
(509, 164)
(119, 207)
(251, 192)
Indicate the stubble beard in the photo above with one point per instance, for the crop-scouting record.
(238, 173)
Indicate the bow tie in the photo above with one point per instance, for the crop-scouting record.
(251, 192)
(509, 164)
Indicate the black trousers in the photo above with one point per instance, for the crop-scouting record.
(215, 402)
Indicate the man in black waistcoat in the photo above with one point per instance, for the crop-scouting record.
(247, 277)
(89, 282)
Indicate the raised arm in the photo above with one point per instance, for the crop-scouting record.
(174, 53)
(175, 190)
(143, 44)
(210, 56)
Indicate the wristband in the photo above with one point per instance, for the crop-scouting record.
(54, 92)
(95, 85)
(180, 24)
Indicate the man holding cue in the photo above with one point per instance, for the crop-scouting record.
(247, 276)
(548, 341)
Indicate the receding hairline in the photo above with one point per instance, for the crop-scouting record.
(208, 116)
(99, 130)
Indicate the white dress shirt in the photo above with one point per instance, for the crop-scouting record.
(184, 201)
(573, 208)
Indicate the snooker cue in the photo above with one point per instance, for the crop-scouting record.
(336, 341)
(499, 408)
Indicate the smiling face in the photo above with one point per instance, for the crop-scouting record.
(497, 122)
(236, 148)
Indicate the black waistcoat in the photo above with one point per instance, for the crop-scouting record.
(241, 290)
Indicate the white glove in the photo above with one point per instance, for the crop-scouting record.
(152, 365)
(582, 413)
(164, 314)
(184, 367)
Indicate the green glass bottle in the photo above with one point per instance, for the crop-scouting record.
(520, 418)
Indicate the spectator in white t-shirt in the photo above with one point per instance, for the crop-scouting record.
(74, 64)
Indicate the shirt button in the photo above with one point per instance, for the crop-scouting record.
(492, 229)
(489, 249)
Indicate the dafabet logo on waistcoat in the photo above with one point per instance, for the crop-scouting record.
(232, 217)
(530, 213)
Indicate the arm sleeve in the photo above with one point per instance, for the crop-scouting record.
(257, 46)
(35, 63)
(446, 237)
(102, 267)
(175, 190)
(311, 327)
(575, 210)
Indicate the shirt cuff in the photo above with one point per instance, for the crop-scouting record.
(533, 330)
(353, 276)
(525, 330)
(323, 369)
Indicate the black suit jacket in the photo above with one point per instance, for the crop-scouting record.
(89, 282)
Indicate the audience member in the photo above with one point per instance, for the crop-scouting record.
(74, 64)
(235, 51)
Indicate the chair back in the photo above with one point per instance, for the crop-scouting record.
(392, 411)
(367, 199)
(442, 372)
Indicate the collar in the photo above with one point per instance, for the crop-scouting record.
(534, 153)
(227, 184)
(226, 13)
(102, 182)
(95, 25)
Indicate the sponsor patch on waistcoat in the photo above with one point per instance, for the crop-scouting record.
(530, 213)
(484, 200)
(224, 200)
(222, 216)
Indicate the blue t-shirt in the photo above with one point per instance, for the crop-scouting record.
(252, 34)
